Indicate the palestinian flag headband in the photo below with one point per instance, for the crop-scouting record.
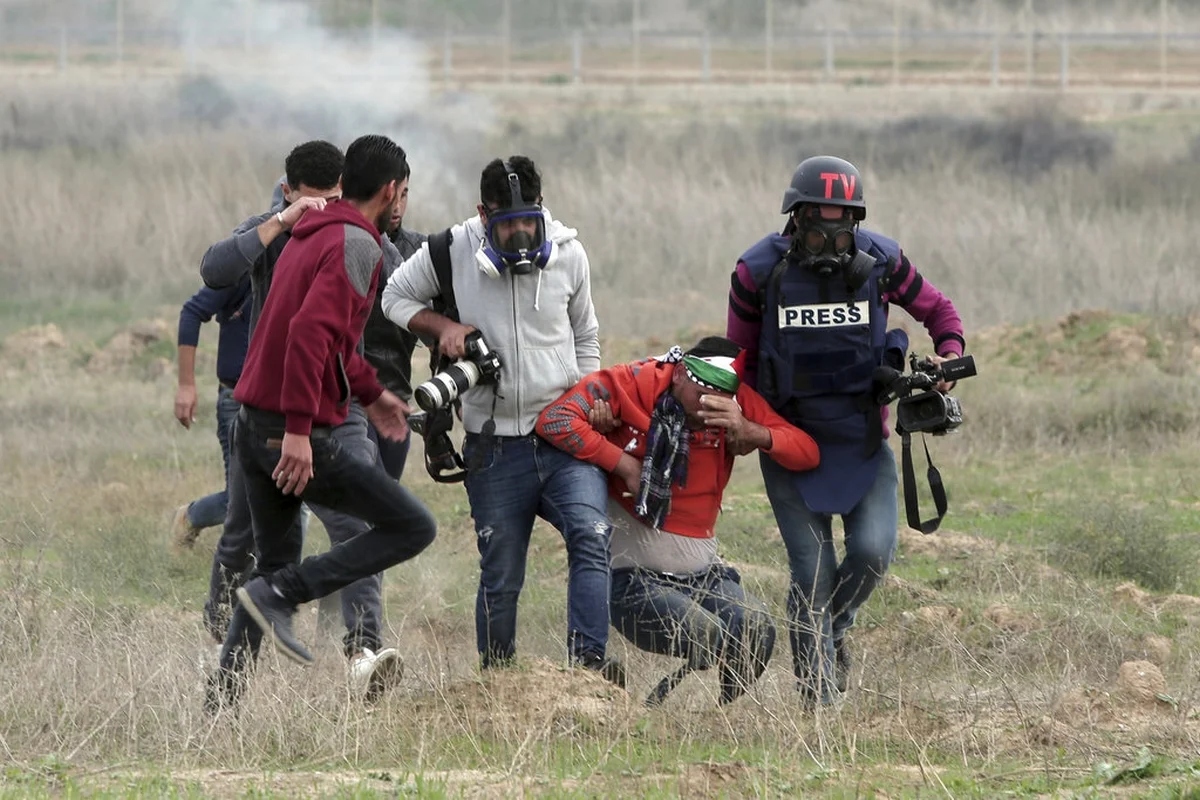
(712, 372)
(714, 363)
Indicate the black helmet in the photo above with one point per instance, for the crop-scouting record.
(827, 181)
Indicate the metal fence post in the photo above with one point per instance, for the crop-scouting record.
(120, 35)
(507, 41)
(189, 46)
(1030, 43)
(576, 57)
(248, 34)
(769, 41)
(1064, 61)
(1162, 44)
(374, 31)
(896, 42)
(829, 56)
(635, 32)
(995, 61)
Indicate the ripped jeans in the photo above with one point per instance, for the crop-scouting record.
(524, 477)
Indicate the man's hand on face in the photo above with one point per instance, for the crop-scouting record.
(389, 415)
(451, 342)
(629, 470)
(295, 467)
(601, 418)
(720, 411)
(292, 214)
(185, 405)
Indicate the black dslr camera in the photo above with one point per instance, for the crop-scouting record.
(920, 408)
(480, 366)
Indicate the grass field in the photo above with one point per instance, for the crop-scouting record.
(1043, 644)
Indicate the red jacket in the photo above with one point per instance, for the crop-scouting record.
(631, 390)
(303, 360)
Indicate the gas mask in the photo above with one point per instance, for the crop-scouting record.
(826, 247)
(515, 240)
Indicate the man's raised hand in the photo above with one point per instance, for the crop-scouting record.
(292, 214)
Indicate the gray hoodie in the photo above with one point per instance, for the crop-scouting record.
(542, 325)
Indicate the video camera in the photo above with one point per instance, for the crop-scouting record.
(480, 366)
(920, 408)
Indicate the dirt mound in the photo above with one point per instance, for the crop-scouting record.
(1140, 682)
(943, 544)
(911, 589)
(36, 340)
(1094, 340)
(1136, 699)
(537, 700)
(1011, 620)
(938, 616)
(1186, 605)
(130, 345)
(1156, 649)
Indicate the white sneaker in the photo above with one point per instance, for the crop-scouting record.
(371, 673)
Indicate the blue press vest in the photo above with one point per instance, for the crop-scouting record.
(818, 350)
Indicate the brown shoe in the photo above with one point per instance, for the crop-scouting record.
(183, 533)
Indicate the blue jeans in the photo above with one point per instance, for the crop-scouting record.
(398, 524)
(209, 510)
(824, 595)
(523, 478)
(706, 618)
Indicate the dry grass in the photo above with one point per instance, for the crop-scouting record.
(989, 662)
(1019, 217)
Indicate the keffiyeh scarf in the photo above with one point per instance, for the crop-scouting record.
(666, 459)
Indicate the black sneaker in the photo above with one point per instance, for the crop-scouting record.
(841, 665)
(612, 669)
(274, 615)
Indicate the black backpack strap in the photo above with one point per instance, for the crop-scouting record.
(444, 303)
(442, 461)
(439, 254)
(911, 508)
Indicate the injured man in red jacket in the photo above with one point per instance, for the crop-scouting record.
(667, 429)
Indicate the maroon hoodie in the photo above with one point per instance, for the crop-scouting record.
(302, 360)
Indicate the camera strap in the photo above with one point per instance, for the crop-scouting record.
(437, 434)
(911, 506)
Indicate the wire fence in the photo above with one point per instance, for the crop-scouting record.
(897, 56)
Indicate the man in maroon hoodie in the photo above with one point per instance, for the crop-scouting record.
(301, 370)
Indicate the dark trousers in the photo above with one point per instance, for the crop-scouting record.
(706, 618)
(360, 604)
(392, 455)
(400, 525)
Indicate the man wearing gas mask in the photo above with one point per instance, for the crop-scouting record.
(810, 306)
(521, 283)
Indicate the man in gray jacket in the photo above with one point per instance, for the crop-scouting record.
(313, 175)
(521, 280)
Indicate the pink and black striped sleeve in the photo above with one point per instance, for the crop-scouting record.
(927, 305)
(744, 320)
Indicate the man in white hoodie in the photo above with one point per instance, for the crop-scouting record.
(521, 279)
